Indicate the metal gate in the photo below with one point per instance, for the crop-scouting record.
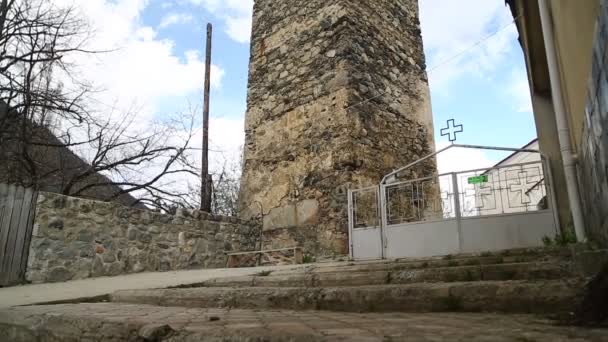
(497, 208)
(17, 206)
(366, 227)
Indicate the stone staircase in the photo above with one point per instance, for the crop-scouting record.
(423, 299)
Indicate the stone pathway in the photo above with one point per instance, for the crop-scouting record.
(43, 293)
(127, 322)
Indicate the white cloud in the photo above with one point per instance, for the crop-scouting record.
(519, 90)
(143, 72)
(236, 15)
(226, 140)
(461, 159)
(175, 19)
(450, 28)
(140, 70)
(239, 28)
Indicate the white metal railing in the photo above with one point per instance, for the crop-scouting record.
(508, 189)
(498, 190)
(384, 219)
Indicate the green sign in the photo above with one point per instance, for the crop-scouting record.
(478, 179)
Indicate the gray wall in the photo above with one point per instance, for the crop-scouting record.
(594, 147)
(76, 238)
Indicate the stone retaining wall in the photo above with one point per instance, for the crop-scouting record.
(76, 238)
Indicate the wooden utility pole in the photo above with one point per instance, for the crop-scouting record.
(206, 180)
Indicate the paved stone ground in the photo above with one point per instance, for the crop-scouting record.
(125, 322)
(42, 293)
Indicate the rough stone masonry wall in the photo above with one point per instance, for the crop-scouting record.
(75, 238)
(338, 97)
(594, 156)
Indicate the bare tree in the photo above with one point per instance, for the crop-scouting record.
(225, 189)
(226, 186)
(46, 116)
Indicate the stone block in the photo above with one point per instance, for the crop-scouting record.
(281, 217)
(307, 212)
(155, 332)
(59, 274)
(56, 223)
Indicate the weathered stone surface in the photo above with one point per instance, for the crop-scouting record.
(491, 296)
(109, 239)
(338, 97)
(59, 274)
(116, 322)
(594, 145)
(283, 217)
(155, 332)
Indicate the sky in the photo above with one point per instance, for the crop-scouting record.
(156, 64)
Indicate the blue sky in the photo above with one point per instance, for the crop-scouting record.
(159, 66)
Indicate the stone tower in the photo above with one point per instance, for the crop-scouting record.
(338, 97)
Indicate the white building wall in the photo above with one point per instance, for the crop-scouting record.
(511, 187)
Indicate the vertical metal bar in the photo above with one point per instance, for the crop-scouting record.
(457, 208)
(551, 193)
(383, 219)
(350, 224)
(205, 186)
(500, 188)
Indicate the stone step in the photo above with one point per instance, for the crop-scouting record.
(549, 296)
(552, 255)
(525, 255)
(361, 276)
(125, 322)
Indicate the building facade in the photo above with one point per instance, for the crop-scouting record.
(569, 74)
(338, 96)
(516, 184)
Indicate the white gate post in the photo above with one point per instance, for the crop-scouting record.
(456, 191)
(351, 224)
(383, 218)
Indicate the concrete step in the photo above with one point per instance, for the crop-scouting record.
(124, 322)
(362, 276)
(548, 296)
(527, 255)
(446, 261)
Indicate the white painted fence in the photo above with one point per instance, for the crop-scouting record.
(503, 207)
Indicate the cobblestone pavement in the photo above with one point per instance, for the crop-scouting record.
(125, 322)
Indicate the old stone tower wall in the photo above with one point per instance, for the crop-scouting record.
(338, 97)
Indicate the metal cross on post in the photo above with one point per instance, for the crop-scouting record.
(452, 130)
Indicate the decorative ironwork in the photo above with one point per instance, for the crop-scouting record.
(454, 200)
(419, 200)
(452, 130)
(525, 187)
(484, 193)
(365, 208)
(492, 191)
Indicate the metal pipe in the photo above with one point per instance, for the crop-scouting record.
(563, 129)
